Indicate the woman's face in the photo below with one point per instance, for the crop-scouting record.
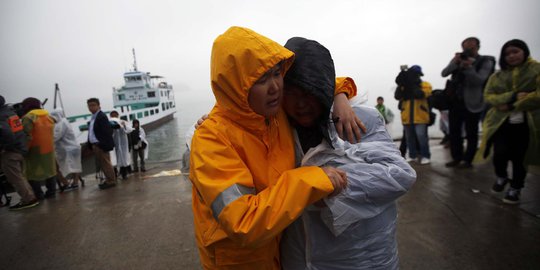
(303, 107)
(514, 56)
(265, 95)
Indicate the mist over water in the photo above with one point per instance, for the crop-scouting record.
(168, 142)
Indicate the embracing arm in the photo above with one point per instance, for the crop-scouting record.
(348, 125)
(226, 186)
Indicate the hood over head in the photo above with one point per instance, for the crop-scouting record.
(57, 114)
(239, 58)
(313, 70)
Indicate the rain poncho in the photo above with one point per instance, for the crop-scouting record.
(357, 228)
(501, 89)
(41, 159)
(121, 144)
(68, 151)
(245, 188)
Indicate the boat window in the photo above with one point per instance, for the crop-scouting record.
(145, 113)
(152, 112)
(121, 97)
(151, 94)
(163, 106)
(157, 110)
(131, 117)
(123, 117)
(122, 108)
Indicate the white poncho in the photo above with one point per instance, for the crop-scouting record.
(357, 228)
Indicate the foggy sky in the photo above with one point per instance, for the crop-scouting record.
(85, 46)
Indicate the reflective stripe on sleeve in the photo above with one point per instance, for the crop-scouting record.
(229, 195)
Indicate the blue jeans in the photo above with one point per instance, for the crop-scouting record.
(417, 133)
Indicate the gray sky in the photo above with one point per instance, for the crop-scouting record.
(85, 45)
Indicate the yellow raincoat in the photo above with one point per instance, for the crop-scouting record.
(420, 112)
(40, 159)
(245, 187)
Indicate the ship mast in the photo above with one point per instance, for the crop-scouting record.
(134, 60)
(57, 96)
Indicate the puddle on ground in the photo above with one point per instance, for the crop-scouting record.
(164, 174)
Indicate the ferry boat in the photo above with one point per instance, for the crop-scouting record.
(148, 98)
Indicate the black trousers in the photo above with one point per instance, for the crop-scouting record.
(458, 116)
(510, 143)
(50, 184)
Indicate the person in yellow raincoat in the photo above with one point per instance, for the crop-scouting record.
(245, 188)
(512, 124)
(40, 159)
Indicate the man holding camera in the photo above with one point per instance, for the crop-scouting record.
(470, 72)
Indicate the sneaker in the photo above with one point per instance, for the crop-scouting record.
(21, 205)
(106, 185)
(424, 161)
(499, 185)
(512, 196)
(409, 159)
(451, 164)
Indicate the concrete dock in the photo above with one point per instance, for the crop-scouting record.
(449, 220)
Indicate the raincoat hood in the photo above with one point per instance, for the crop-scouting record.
(313, 70)
(239, 58)
(57, 114)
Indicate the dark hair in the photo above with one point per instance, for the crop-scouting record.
(513, 43)
(136, 121)
(113, 112)
(95, 100)
(475, 39)
(380, 98)
(29, 104)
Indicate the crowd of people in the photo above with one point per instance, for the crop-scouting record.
(285, 161)
(505, 103)
(40, 148)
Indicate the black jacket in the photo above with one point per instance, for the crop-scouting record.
(103, 132)
(12, 136)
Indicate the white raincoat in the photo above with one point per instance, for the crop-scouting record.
(67, 149)
(357, 228)
(121, 144)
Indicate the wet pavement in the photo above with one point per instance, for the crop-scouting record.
(449, 220)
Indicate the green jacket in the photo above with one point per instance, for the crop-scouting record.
(40, 160)
(502, 88)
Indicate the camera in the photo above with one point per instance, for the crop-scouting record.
(465, 54)
(403, 67)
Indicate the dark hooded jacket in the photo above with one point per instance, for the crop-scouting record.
(12, 136)
(313, 70)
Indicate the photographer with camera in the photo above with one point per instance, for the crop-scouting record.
(470, 72)
(412, 94)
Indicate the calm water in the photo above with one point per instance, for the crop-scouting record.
(168, 142)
